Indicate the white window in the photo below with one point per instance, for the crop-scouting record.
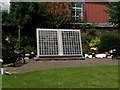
(77, 11)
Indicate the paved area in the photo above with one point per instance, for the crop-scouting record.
(42, 65)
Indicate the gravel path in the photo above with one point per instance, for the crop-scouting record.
(42, 65)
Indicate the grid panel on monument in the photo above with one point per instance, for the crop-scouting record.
(44, 47)
(71, 38)
(55, 43)
(71, 42)
(55, 40)
(40, 44)
(48, 43)
(65, 36)
(44, 44)
(75, 43)
(64, 41)
(47, 39)
(68, 42)
(78, 51)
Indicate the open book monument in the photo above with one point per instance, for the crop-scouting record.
(59, 43)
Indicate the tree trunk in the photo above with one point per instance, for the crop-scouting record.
(19, 36)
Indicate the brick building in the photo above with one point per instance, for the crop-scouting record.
(90, 12)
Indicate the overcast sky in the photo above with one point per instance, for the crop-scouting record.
(5, 4)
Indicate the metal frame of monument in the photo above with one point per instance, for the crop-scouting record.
(54, 43)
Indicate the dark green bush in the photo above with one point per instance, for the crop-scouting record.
(110, 41)
(29, 44)
(29, 49)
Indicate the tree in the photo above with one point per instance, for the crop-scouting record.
(21, 14)
(114, 13)
(44, 15)
(4, 16)
(56, 13)
(29, 16)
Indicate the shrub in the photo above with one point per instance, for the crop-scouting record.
(29, 44)
(94, 42)
(29, 49)
(108, 42)
(27, 41)
(85, 42)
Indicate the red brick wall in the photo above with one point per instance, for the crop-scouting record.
(95, 12)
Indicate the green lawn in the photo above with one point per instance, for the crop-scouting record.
(77, 77)
(0, 82)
